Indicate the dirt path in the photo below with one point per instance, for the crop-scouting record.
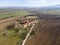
(24, 41)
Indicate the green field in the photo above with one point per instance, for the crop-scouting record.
(16, 13)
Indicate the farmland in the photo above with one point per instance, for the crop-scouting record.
(11, 38)
(15, 13)
(11, 35)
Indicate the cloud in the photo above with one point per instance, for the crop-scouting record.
(6, 3)
(28, 3)
(37, 3)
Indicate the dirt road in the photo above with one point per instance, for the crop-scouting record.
(24, 41)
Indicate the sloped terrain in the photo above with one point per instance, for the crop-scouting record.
(48, 33)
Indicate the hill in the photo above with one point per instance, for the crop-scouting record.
(48, 33)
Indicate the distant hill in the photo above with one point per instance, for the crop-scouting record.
(53, 7)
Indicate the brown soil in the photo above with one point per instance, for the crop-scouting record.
(48, 33)
(5, 22)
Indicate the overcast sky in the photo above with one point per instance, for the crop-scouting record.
(28, 3)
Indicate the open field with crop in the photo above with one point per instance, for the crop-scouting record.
(15, 13)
